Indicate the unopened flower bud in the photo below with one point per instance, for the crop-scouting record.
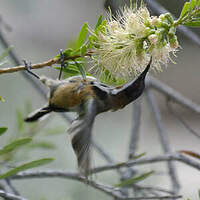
(162, 17)
(169, 18)
(155, 21)
(173, 42)
(153, 39)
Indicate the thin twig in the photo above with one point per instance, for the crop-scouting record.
(110, 160)
(114, 192)
(8, 187)
(153, 188)
(136, 119)
(38, 65)
(150, 160)
(181, 120)
(172, 94)
(68, 175)
(135, 129)
(9, 196)
(163, 138)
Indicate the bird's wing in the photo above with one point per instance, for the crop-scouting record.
(80, 132)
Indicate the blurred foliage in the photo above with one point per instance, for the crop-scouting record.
(21, 143)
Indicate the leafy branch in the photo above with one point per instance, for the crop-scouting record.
(130, 44)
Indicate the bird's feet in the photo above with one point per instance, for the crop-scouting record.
(28, 69)
(62, 63)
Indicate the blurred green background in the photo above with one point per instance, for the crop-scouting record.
(39, 30)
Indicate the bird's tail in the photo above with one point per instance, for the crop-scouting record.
(38, 114)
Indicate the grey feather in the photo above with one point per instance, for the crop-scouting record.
(81, 134)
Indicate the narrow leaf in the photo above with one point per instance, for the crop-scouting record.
(192, 24)
(3, 130)
(2, 99)
(55, 131)
(20, 120)
(139, 156)
(43, 145)
(35, 163)
(14, 145)
(83, 50)
(99, 21)
(82, 36)
(5, 53)
(191, 153)
(67, 52)
(134, 180)
(185, 9)
(70, 70)
(192, 4)
(81, 69)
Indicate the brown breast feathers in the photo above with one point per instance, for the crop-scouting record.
(71, 93)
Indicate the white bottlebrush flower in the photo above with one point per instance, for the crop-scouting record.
(127, 42)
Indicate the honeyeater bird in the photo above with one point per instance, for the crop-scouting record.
(87, 97)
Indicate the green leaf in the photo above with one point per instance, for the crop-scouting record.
(139, 156)
(134, 180)
(14, 145)
(192, 4)
(67, 53)
(101, 28)
(82, 36)
(192, 24)
(20, 120)
(99, 21)
(70, 70)
(2, 99)
(83, 50)
(185, 9)
(55, 131)
(33, 164)
(3, 130)
(43, 145)
(81, 69)
(5, 53)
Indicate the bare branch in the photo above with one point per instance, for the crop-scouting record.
(155, 159)
(103, 153)
(172, 94)
(9, 196)
(38, 65)
(163, 138)
(181, 120)
(8, 187)
(135, 129)
(153, 189)
(111, 191)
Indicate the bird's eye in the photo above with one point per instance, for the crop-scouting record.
(92, 82)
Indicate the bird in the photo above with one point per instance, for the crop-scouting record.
(87, 97)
